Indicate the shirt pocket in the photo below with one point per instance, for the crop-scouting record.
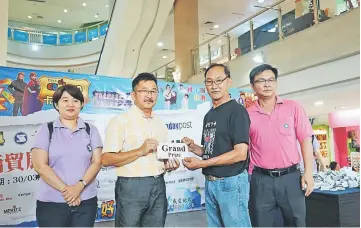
(286, 126)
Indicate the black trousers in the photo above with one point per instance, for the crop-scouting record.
(140, 202)
(16, 108)
(271, 195)
(62, 215)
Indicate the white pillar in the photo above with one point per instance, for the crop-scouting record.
(4, 13)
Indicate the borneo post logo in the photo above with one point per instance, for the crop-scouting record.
(179, 126)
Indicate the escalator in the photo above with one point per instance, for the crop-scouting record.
(134, 30)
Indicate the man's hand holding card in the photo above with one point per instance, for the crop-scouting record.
(170, 153)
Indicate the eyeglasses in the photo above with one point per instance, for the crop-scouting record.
(217, 82)
(146, 92)
(263, 81)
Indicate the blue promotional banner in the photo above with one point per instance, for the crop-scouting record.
(80, 37)
(66, 39)
(21, 36)
(50, 39)
(34, 92)
(103, 29)
(26, 102)
(93, 33)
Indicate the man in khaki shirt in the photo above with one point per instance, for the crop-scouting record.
(131, 142)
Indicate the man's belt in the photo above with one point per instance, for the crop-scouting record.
(277, 172)
(213, 178)
(140, 178)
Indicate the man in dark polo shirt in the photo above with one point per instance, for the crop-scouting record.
(224, 152)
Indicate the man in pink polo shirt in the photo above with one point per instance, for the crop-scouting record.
(276, 126)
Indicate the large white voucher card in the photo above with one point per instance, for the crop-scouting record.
(171, 150)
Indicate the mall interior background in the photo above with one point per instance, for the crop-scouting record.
(315, 44)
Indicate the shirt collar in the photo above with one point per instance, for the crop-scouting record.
(136, 110)
(279, 100)
(59, 124)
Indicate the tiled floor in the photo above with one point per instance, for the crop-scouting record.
(184, 219)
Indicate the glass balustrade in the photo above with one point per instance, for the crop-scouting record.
(271, 23)
(58, 38)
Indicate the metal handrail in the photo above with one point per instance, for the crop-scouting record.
(281, 35)
(164, 65)
(238, 24)
(63, 30)
(225, 32)
(36, 37)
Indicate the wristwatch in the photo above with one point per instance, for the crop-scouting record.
(83, 182)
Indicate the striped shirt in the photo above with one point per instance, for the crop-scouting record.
(128, 131)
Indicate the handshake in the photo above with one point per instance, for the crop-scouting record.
(171, 152)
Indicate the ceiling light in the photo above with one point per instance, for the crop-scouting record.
(219, 41)
(59, 21)
(30, 17)
(96, 15)
(318, 103)
(84, 4)
(343, 107)
(216, 26)
(164, 57)
(160, 44)
(35, 47)
(260, 1)
(106, 5)
(65, 10)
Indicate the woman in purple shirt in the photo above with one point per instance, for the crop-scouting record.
(67, 156)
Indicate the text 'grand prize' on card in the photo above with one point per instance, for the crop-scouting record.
(171, 150)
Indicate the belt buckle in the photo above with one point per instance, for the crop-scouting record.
(211, 178)
(275, 171)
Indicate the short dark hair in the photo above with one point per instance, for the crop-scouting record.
(143, 77)
(225, 68)
(72, 90)
(259, 69)
(333, 165)
(21, 73)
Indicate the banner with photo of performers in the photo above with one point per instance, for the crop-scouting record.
(26, 91)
